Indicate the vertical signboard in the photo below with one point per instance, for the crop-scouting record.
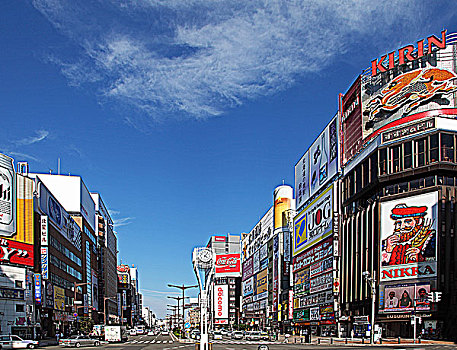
(221, 301)
(44, 262)
(319, 164)
(286, 241)
(7, 197)
(256, 261)
(291, 304)
(408, 237)
(44, 230)
(59, 298)
(37, 278)
(88, 276)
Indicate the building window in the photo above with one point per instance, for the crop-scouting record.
(394, 159)
(421, 146)
(20, 308)
(358, 178)
(447, 148)
(434, 148)
(373, 166)
(408, 155)
(383, 161)
(366, 173)
(18, 284)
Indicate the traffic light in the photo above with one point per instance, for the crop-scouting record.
(431, 297)
(438, 296)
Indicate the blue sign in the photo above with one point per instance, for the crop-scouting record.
(187, 325)
(37, 287)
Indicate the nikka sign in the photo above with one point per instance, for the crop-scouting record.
(228, 264)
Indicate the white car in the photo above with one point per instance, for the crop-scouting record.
(151, 332)
(132, 332)
(15, 342)
(217, 335)
(165, 332)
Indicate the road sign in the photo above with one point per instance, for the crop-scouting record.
(75, 314)
(187, 325)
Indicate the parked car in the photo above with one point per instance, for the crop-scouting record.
(223, 331)
(151, 332)
(15, 342)
(264, 336)
(79, 340)
(165, 332)
(254, 335)
(217, 335)
(132, 332)
(237, 335)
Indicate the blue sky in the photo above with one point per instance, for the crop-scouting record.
(185, 114)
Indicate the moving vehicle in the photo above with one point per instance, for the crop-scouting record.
(98, 331)
(254, 335)
(15, 342)
(78, 341)
(115, 333)
(139, 330)
(151, 332)
(217, 335)
(223, 331)
(237, 335)
(264, 336)
(165, 332)
(132, 332)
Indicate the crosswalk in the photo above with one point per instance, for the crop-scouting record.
(149, 342)
(242, 342)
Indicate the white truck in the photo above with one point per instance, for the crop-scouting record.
(115, 333)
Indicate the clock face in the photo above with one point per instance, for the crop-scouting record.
(205, 256)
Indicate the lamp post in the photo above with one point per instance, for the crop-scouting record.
(76, 285)
(173, 317)
(372, 282)
(183, 288)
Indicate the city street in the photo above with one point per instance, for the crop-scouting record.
(165, 342)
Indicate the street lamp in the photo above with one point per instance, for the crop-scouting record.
(183, 288)
(372, 282)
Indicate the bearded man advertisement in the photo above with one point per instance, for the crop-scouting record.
(413, 239)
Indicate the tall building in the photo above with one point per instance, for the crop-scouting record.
(107, 262)
(225, 288)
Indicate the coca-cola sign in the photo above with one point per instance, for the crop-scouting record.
(228, 264)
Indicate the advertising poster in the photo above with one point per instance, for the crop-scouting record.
(401, 297)
(321, 267)
(301, 282)
(408, 237)
(286, 246)
(261, 282)
(44, 262)
(228, 265)
(248, 286)
(351, 122)
(320, 283)
(59, 298)
(302, 180)
(263, 264)
(49, 302)
(314, 314)
(263, 252)
(256, 262)
(320, 251)
(37, 278)
(57, 215)
(221, 301)
(282, 202)
(314, 223)
(44, 230)
(393, 94)
(7, 197)
(248, 268)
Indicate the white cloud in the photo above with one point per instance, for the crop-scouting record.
(40, 136)
(199, 58)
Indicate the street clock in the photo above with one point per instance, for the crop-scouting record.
(205, 256)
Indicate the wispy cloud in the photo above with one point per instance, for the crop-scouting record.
(40, 136)
(122, 221)
(199, 58)
(150, 291)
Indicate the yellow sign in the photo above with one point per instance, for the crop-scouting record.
(59, 298)
(261, 282)
(24, 231)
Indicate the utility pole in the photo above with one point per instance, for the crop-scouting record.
(372, 282)
(183, 288)
(178, 299)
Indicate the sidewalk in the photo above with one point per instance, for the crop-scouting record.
(360, 341)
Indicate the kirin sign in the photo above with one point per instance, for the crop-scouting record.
(228, 264)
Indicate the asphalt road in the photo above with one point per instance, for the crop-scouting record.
(165, 342)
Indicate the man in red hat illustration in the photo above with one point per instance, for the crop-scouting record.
(412, 234)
